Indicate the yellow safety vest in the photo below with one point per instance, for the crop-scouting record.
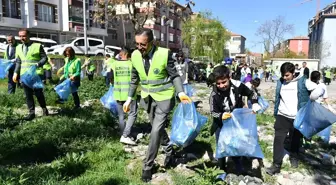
(122, 79)
(156, 84)
(32, 57)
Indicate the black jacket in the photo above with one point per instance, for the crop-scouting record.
(225, 102)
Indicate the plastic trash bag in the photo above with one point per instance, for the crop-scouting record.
(239, 136)
(9, 66)
(313, 118)
(31, 79)
(82, 75)
(261, 76)
(242, 79)
(263, 104)
(325, 134)
(3, 67)
(103, 73)
(65, 88)
(188, 89)
(187, 123)
(275, 77)
(255, 76)
(108, 101)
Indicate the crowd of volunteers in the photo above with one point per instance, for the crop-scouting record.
(160, 78)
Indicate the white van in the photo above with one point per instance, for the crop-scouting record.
(46, 43)
(112, 50)
(95, 46)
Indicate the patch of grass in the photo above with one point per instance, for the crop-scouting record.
(268, 154)
(264, 119)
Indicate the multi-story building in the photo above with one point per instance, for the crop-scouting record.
(59, 20)
(298, 45)
(165, 21)
(322, 36)
(235, 46)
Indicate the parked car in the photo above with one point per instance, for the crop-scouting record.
(113, 51)
(95, 46)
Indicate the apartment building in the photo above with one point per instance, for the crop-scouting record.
(165, 21)
(322, 36)
(59, 20)
(235, 46)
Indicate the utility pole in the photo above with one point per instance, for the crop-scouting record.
(85, 29)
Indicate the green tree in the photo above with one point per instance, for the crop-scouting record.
(131, 11)
(205, 36)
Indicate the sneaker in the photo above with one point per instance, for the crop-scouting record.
(294, 162)
(127, 140)
(29, 117)
(274, 169)
(146, 175)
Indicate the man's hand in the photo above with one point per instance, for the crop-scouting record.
(184, 98)
(127, 104)
(226, 116)
(72, 78)
(15, 76)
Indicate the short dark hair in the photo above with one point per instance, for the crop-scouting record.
(221, 72)
(107, 55)
(287, 67)
(26, 30)
(126, 50)
(255, 82)
(146, 31)
(315, 76)
(296, 64)
(70, 50)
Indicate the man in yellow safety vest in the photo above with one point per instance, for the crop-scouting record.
(154, 70)
(27, 55)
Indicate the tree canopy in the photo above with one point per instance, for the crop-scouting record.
(205, 36)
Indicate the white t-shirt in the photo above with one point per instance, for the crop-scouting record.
(321, 92)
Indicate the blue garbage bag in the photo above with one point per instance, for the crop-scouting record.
(103, 73)
(263, 104)
(82, 75)
(325, 134)
(3, 67)
(9, 66)
(242, 79)
(313, 118)
(187, 123)
(239, 136)
(261, 75)
(108, 101)
(31, 79)
(65, 88)
(255, 76)
(188, 89)
(275, 77)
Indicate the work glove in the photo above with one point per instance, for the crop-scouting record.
(15, 78)
(226, 116)
(127, 104)
(184, 98)
(255, 107)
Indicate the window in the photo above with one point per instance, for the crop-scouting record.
(76, 14)
(79, 42)
(128, 35)
(45, 12)
(11, 8)
(171, 23)
(236, 39)
(171, 37)
(114, 35)
(94, 42)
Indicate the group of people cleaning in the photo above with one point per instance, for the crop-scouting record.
(153, 71)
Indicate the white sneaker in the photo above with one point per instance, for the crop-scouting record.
(127, 140)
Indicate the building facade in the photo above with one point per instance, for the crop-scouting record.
(58, 20)
(322, 36)
(165, 21)
(298, 45)
(235, 46)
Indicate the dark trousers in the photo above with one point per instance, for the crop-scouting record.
(108, 79)
(30, 98)
(90, 77)
(282, 127)
(11, 83)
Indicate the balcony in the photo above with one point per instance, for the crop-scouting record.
(178, 32)
(171, 30)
